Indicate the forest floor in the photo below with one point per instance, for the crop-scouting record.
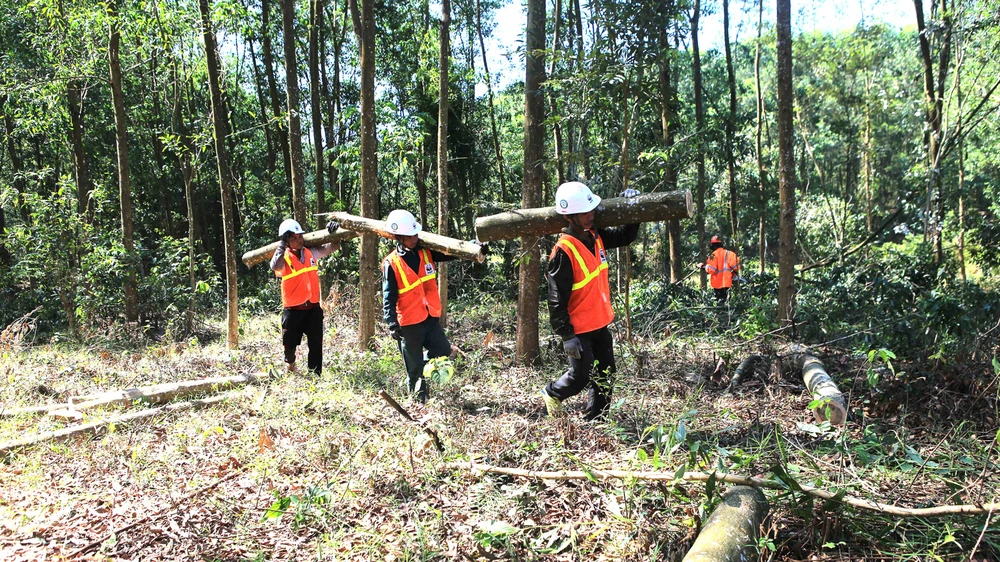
(306, 468)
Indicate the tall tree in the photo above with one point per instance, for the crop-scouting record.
(699, 116)
(786, 163)
(444, 52)
(81, 169)
(493, 114)
(364, 28)
(121, 147)
(267, 52)
(531, 190)
(668, 124)
(557, 137)
(316, 107)
(220, 122)
(299, 209)
(730, 125)
(761, 172)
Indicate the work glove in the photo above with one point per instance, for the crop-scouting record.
(396, 332)
(573, 347)
(332, 226)
(629, 193)
(484, 247)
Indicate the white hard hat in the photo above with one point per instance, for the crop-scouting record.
(574, 197)
(289, 225)
(403, 223)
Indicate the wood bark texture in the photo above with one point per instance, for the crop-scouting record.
(833, 407)
(445, 245)
(647, 207)
(731, 531)
(310, 239)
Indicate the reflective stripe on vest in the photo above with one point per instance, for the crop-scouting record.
(588, 275)
(589, 304)
(299, 282)
(417, 295)
(407, 286)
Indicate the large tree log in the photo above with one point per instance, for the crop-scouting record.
(443, 244)
(647, 207)
(154, 394)
(93, 427)
(832, 404)
(311, 240)
(731, 531)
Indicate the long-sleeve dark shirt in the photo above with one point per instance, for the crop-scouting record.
(559, 273)
(390, 289)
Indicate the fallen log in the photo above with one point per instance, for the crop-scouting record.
(687, 476)
(94, 427)
(647, 207)
(832, 404)
(154, 394)
(310, 239)
(448, 246)
(746, 367)
(731, 532)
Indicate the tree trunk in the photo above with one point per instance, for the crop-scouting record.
(272, 85)
(531, 191)
(124, 183)
(761, 172)
(271, 158)
(557, 138)
(154, 132)
(364, 26)
(315, 25)
(221, 126)
(298, 180)
(81, 170)
(493, 115)
(730, 127)
(444, 52)
(668, 122)
(786, 158)
(699, 113)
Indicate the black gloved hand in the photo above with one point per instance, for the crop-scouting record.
(332, 226)
(396, 332)
(484, 247)
(573, 347)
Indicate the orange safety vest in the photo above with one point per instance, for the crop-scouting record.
(721, 264)
(418, 294)
(299, 280)
(590, 300)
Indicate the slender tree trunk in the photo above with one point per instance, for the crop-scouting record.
(315, 25)
(867, 156)
(154, 130)
(668, 122)
(699, 113)
(961, 169)
(226, 180)
(730, 127)
(272, 85)
(271, 157)
(81, 169)
(531, 191)
(335, 177)
(364, 27)
(124, 183)
(761, 171)
(585, 124)
(444, 53)
(786, 156)
(493, 115)
(299, 208)
(553, 103)
(329, 128)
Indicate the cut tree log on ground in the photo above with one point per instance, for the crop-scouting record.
(310, 239)
(832, 405)
(94, 427)
(746, 367)
(732, 530)
(448, 246)
(671, 478)
(154, 394)
(648, 207)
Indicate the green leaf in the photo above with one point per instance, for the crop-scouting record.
(590, 475)
(497, 528)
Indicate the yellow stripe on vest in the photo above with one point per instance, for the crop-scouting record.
(407, 286)
(296, 273)
(588, 275)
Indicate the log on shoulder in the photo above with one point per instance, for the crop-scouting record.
(445, 245)
(832, 404)
(648, 207)
(732, 530)
(311, 240)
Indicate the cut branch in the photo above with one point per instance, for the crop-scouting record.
(673, 477)
(310, 239)
(445, 245)
(648, 207)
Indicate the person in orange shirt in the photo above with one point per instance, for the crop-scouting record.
(579, 300)
(296, 266)
(721, 265)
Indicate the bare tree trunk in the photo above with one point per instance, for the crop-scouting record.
(553, 103)
(272, 85)
(730, 127)
(867, 155)
(81, 170)
(493, 115)
(226, 180)
(761, 171)
(531, 190)
(668, 122)
(124, 183)
(271, 158)
(584, 126)
(154, 133)
(364, 27)
(699, 113)
(315, 25)
(786, 157)
(444, 53)
(299, 208)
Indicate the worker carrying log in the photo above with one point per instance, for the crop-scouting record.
(411, 306)
(721, 265)
(580, 300)
(296, 265)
